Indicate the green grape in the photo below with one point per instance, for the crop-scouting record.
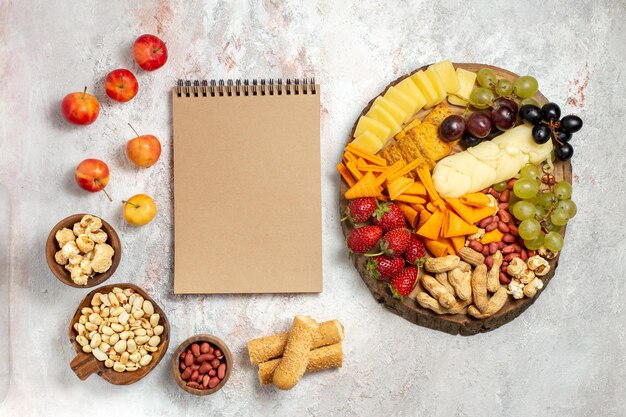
(559, 217)
(545, 199)
(530, 171)
(504, 87)
(551, 227)
(481, 97)
(568, 206)
(563, 190)
(525, 188)
(529, 229)
(553, 241)
(529, 100)
(486, 78)
(540, 212)
(523, 210)
(525, 86)
(536, 243)
(499, 187)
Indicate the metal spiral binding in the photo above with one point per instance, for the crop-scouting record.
(244, 87)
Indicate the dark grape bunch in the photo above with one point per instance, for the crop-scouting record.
(548, 125)
(479, 124)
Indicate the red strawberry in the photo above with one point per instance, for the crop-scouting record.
(384, 267)
(360, 210)
(395, 242)
(364, 238)
(415, 252)
(402, 284)
(388, 216)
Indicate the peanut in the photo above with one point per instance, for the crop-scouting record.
(493, 284)
(442, 264)
(479, 287)
(471, 256)
(461, 282)
(445, 298)
(495, 304)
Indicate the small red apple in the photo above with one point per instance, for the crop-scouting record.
(143, 151)
(121, 85)
(92, 175)
(150, 52)
(80, 108)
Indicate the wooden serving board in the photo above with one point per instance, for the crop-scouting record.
(85, 364)
(463, 324)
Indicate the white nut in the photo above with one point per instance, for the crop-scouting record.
(95, 319)
(124, 358)
(151, 348)
(139, 332)
(95, 341)
(148, 308)
(113, 299)
(108, 363)
(131, 367)
(82, 340)
(137, 314)
(134, 357)
(105, 347)
(145, 360)
(116, 311)
(114, 338)
(158, 330)
(83, 319)
(100, 355)
(105, 300)
(117, 327)
(126, 334)
(131, 346)
(154, 319)
(87, 349)
(154, 341)
(107, 330)
(123, 318)
(120, 346)
(90, 327)
(138, 303)
(118, 367)
(142, 340)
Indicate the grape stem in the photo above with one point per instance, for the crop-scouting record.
(553, 127)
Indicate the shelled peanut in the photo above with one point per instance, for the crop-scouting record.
(202, 365)
(120, 329)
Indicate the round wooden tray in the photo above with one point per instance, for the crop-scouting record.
(85, 364)
(463, 324)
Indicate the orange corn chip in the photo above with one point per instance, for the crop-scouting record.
(365, 187)
(408, 168)
(436, 248)
(390, 170)
(410, 214)
(418, 207)
(398, 186)
(475, 199)
(424, 216)
(455, 226)
(472, 215)
(458, 242)
(494, 236)
(432, 227)
(424, 174)
(411, 199)
(417, 188)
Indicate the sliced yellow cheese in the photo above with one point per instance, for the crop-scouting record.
(379, 130)
(368, 142)
(448, 76)
(421, 80)
(466, 80)
(377, 112)
(408, 87)
(437, 84)
(398, 114)
(401, 100)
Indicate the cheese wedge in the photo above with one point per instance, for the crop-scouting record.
(408, 87)
(437, 84)
(402, 100)
(377, 112)
(368, 142)
(421, 80)
(379, 130)
(448, 76)
(398, 114)
(466, 80)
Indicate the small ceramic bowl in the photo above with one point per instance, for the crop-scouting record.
(212, 340)
(63, 274)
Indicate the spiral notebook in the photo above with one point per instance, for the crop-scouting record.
(247, 187)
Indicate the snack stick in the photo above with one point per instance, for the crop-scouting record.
(265, 348)
(326, 357)
(296, 355)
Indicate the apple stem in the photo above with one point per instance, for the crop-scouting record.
(84, 92)
(132, 204)
(131, 126)
(107, 194)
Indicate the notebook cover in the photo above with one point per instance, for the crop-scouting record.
(247, 194)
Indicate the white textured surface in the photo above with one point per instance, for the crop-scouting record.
(564, 356)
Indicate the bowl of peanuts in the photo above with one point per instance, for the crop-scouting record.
(83, 251)
(202, 364)
(119, 333)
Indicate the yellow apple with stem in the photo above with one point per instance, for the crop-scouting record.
(139, 210)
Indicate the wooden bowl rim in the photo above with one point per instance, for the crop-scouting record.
(64, 276)
(463, 324)
(203, 337)
(108, 374)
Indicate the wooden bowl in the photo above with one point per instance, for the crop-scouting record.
(409, 309)
(216, 341)
(85, 364)
(63, 274)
